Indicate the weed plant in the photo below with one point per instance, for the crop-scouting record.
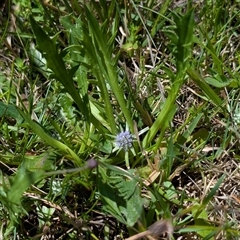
(119, 116)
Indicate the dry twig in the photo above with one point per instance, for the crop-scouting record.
(158, 228)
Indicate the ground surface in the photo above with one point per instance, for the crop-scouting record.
(76, 75)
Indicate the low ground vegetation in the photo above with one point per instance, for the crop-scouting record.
(119, 118)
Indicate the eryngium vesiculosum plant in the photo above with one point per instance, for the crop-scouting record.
(129, 175)
(90, 50)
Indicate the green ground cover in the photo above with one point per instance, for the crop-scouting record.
(119, 118)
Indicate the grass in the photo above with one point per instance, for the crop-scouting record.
(117, 117)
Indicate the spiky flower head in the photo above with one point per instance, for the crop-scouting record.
(124, 140)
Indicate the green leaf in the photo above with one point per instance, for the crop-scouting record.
(217, 82)
(19, 184)
(55, 62)
(125, 187)
(9, 110)
(184, 31)
(108, 196)
(202, 220)
(122, 196)
(197, 228)
(106, 65)
(90, 49)
(44, 161)
(133, 209)
(204, 87)
(38, 129)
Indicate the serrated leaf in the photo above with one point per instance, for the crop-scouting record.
(55, 62)
(121, 195)
(133, 209)
(108, 196)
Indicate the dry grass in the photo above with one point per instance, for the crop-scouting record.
(210, 150)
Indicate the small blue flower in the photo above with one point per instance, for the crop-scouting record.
(124, 140)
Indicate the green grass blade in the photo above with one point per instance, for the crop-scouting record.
(208, 198)
(110, 69)
(51, 141)
(57, 65)
(182, 54)
(204, 87)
